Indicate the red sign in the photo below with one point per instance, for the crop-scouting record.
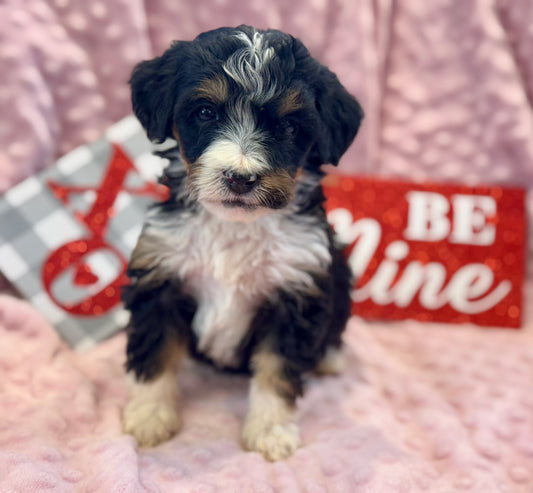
(432, 252)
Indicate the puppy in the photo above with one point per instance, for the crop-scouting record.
(238, 267)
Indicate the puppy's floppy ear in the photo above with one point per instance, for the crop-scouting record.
(154, 87)
(340, 113)
(341, 117)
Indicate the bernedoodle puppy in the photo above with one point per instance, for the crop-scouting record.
(239, 266)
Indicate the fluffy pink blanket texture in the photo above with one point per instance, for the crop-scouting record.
(419, 409)
(447, 88)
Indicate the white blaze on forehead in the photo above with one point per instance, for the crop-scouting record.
(224, 154)
(247, 66)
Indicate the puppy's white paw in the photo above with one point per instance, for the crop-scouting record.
(150, 422)
(275, 441)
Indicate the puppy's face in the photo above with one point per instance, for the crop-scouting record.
(249, 110)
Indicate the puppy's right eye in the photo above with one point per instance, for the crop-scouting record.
(207, 114)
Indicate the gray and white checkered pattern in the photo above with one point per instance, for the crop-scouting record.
(33, 223)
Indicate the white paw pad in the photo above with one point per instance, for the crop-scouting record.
(150, 422)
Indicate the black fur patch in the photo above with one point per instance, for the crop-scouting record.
(158, 313)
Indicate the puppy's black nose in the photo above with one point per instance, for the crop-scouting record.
(240, 184)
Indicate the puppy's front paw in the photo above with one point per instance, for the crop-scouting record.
(150, 422)
(275, 441)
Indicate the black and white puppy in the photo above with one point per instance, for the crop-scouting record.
(239, 266)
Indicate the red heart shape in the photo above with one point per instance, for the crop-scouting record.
(84, 275)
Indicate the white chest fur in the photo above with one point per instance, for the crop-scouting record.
(230, 267)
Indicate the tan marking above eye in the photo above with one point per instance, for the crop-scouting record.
(214, 90)
(290, 103)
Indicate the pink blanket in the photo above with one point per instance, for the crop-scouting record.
(419, 408)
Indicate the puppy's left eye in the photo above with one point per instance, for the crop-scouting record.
(207, 114)
(287, 128)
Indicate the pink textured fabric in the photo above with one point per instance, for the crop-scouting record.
(419, 408)
(64, 66)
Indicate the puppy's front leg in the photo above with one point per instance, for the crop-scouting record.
(151, 414)
(156, 346)
(270, 427)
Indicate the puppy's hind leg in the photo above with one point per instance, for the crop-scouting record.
(332, 363)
